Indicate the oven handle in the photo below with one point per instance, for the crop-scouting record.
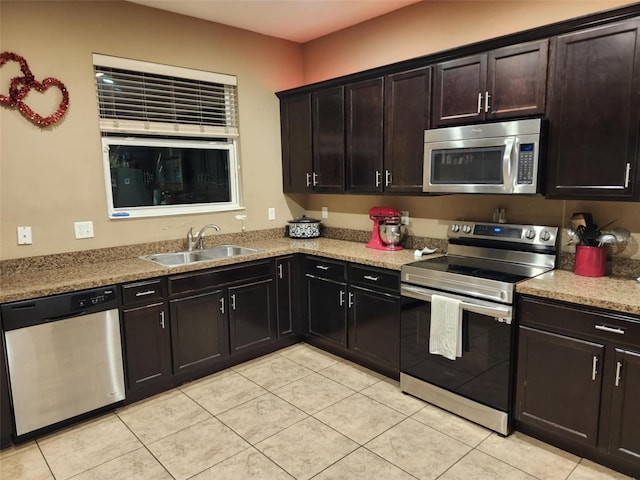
(502, 312)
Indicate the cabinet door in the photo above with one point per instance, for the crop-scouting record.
(147, 345)
(594, 113)
(559, 384)
(517, 80)
(374, 330)
(252, 318)
(328, 140)
(297, 159)
(327, 310)
(365, 105)
(407, 99)
(458, 93)
(625, 421)
(198, 333)
(285, 276)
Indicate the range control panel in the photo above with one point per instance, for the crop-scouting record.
(528, 234)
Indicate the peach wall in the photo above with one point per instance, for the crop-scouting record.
(53, 177)
(432, 26)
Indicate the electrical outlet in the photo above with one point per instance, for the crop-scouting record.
(325, 212)
(84, 229)
(24, 236)
(272, 213)
(404, 217)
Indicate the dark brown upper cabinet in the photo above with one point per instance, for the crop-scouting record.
(594, 113)
(313, 149)
(365, 117)
(407, 100)
(507, 82)
(386, 119)
(297, 153)
(328, 140)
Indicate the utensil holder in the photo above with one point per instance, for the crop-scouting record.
(590, 261)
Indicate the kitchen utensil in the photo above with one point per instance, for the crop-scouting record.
(424, 251)
(303, 227)
(573, 236)
(606, 238)
(385, 238)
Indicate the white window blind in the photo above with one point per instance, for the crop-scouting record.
(143, 97)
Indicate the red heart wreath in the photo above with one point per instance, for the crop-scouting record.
(21, 86)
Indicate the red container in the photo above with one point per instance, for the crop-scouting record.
(590, 261)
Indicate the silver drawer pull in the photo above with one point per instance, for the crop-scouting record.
(618, 373)
(148, 292)
(162, 319)
(604, 328)
(322, 267)
(594, 368)
(371, 277)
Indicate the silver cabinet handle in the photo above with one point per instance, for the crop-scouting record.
(308, 179)
(371, 277)
(315, 179)
(341, 298)
(479, 102)
(486, 102)
(618, 373)
(222, 305)
(350, 299)
(627, 175)
(594, 368)
(280, 274)
(147, 292)
(604, 328)
(233, 301)
(378, 178)
(322, 267)
(387, 178)
(162, 319)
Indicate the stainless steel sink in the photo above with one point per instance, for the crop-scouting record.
(175, 259)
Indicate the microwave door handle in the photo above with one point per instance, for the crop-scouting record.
(509, 163)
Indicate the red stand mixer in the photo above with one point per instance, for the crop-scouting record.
(387, 231)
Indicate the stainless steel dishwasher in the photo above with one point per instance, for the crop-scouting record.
(64, 356)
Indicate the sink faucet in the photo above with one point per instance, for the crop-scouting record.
(197, 240)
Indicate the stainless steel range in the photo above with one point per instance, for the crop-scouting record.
(457, 332)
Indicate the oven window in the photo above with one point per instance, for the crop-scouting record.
(483, 372)
(482, 165)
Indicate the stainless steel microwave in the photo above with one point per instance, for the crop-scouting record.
(502, 158)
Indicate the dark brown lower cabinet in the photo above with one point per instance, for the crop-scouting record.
(147, 345)
(560, 384)
(6, 422)
(286, 293)
(252, 315)
(327, 310)
(198, 332)
(578, 381)
(374, 325)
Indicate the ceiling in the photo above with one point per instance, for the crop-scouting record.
(295, 20)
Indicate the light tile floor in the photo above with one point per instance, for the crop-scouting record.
(298, 413)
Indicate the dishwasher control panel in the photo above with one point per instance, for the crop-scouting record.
(92, 298)
(27, 313)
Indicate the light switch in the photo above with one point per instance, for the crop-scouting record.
(84, 229)
(272, 213)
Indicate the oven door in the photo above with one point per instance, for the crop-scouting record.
(474, 385)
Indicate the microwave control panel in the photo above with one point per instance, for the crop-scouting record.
(525, 164)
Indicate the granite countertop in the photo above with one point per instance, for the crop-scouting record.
(612, 293)
(77, 276)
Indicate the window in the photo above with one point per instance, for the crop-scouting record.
(168, 138)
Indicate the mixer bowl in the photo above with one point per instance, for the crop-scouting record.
(392, 234)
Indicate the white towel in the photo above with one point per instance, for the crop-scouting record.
(445, 334)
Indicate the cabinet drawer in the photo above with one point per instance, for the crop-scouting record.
(223, 276)
(147, 291)
(324, 268)
(573, 320)
(375, 278)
